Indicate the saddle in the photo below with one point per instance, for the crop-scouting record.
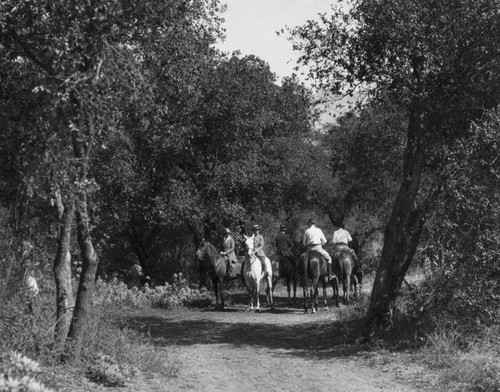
(234, 268)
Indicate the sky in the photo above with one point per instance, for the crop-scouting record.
(251, 27)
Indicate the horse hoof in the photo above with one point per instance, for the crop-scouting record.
(314, 311)
(326, 308)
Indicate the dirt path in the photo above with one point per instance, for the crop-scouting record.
(281, 350)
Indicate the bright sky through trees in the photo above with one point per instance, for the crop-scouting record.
(251, 27)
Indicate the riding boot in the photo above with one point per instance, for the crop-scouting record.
(331, 275)
(229, 268)
(264, 269)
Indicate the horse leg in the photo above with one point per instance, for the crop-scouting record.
(250, 290)
(257, 295)
(314, 292)
(216, 290)
(288, 288)
(305, 291)
(221, 287)
(354, 285)
(335, 287)
(294, 280)
(201, 275)
(324, 283)
(345, 284)
(269, 292)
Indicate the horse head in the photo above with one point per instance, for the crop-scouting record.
(249, 244)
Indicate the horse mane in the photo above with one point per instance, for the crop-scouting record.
(210, 247)
(210, 253)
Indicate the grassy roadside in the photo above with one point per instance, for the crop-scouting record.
(437, 356)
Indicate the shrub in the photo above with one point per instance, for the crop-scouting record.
(116, 294)
(107, 371)
(178, 294)
(20, 374)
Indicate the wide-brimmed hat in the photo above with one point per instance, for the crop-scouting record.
(226, 231)
(282, 227)
(255, 227)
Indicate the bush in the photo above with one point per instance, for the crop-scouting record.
(178, 294)
(117, 295)
(107, 371)
(20, 374)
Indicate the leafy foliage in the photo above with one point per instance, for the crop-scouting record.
(21, 374)
(463, 234)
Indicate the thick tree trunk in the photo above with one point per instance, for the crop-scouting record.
(83, 305)
(401, 235)
(62, 270)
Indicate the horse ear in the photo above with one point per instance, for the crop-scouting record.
(244, 235)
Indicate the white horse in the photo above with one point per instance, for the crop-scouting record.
(253, 274)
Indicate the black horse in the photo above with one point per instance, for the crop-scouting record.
(211, 262)
(285, 267)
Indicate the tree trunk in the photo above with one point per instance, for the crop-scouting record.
(62, 270)
(141, 248)
(83, 305)
(402, 234)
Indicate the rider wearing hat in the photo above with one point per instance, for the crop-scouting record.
(258, 248)
(228, 250)
(283, 243)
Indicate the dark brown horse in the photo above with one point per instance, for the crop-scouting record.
(343, 265)
(314, 267)
(285, 267)
(211, 262)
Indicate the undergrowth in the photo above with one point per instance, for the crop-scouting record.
(112, 354)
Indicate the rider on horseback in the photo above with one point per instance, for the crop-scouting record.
(314, 239)
(341, 240)
(283, 243)
(258, 249)
(228, 250)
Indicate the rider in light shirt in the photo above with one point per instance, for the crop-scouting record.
(341, 238)
(314, 239)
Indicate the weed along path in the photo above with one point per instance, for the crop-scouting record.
(275, 350)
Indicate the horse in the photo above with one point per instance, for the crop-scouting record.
(357, 277)
(343, 264)
(253, 274)
(285, 266)
(314, 266)
(212, 263)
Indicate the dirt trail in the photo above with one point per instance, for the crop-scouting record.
(281, 350)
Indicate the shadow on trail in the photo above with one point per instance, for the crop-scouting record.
(304, 335)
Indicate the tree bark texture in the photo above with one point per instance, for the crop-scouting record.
(402, 233)
(83, 304)
(62, 271)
